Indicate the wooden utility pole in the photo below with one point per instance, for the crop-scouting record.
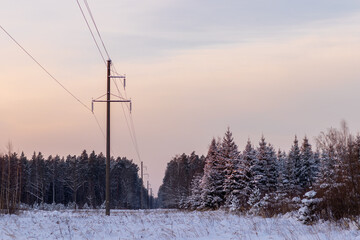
(107, 193)
(108, 148)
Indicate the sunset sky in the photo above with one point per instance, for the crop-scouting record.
(193, 68)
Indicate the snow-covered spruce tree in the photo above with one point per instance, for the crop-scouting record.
(229, 154)
(327, 170)
(282, 198)
(247, 161)
(236, 170)
(315, 167)
(194, 200)
(212, 196)
(282, 171)
(264, 168)
(294, 169)
(269, 205)
(306, 162)
(258, 168)
(239, 181)
(243, 187)
(308, 209)
(271, 169)
(254, 201)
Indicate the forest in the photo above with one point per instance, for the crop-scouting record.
(320, 183)
(77, 181)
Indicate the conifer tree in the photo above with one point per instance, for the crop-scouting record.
(306, 162)
(315, 168)
(212, 196)
(283, 177)
(194, 200)
(249, 159)
(230, 155)
(271, 169)
(294, 167)
(258, 168)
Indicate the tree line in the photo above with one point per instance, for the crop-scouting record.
(74, 180)
(321, 183)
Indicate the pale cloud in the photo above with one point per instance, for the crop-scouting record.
(279, 88)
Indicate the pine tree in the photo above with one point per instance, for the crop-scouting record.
(74, 179)
(37, 182)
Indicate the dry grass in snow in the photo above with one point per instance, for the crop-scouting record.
(163, 224)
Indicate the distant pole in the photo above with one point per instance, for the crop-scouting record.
(141, 187)
(147, 190)
(107, 194)
(151, 203)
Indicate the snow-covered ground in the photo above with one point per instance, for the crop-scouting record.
(162, 224)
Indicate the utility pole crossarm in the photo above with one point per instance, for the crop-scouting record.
(122, 77)
(117, 77)
(109, 101)
(112, 101)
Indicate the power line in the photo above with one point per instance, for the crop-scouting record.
(130, 126)
(136, 142)
(97, 121)
(92, 34)
(51, 76)
(43, 68)
(97, 30)
(102, 56)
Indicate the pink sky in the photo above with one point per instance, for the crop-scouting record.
(189, 77)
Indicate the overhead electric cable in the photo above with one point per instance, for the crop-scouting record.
(136, 142)
(43, 68)
(92, 34)
(130, 126)
(97, 30)
(51, 76)
(97, 121)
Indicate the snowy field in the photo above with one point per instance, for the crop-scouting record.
(163, 224)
